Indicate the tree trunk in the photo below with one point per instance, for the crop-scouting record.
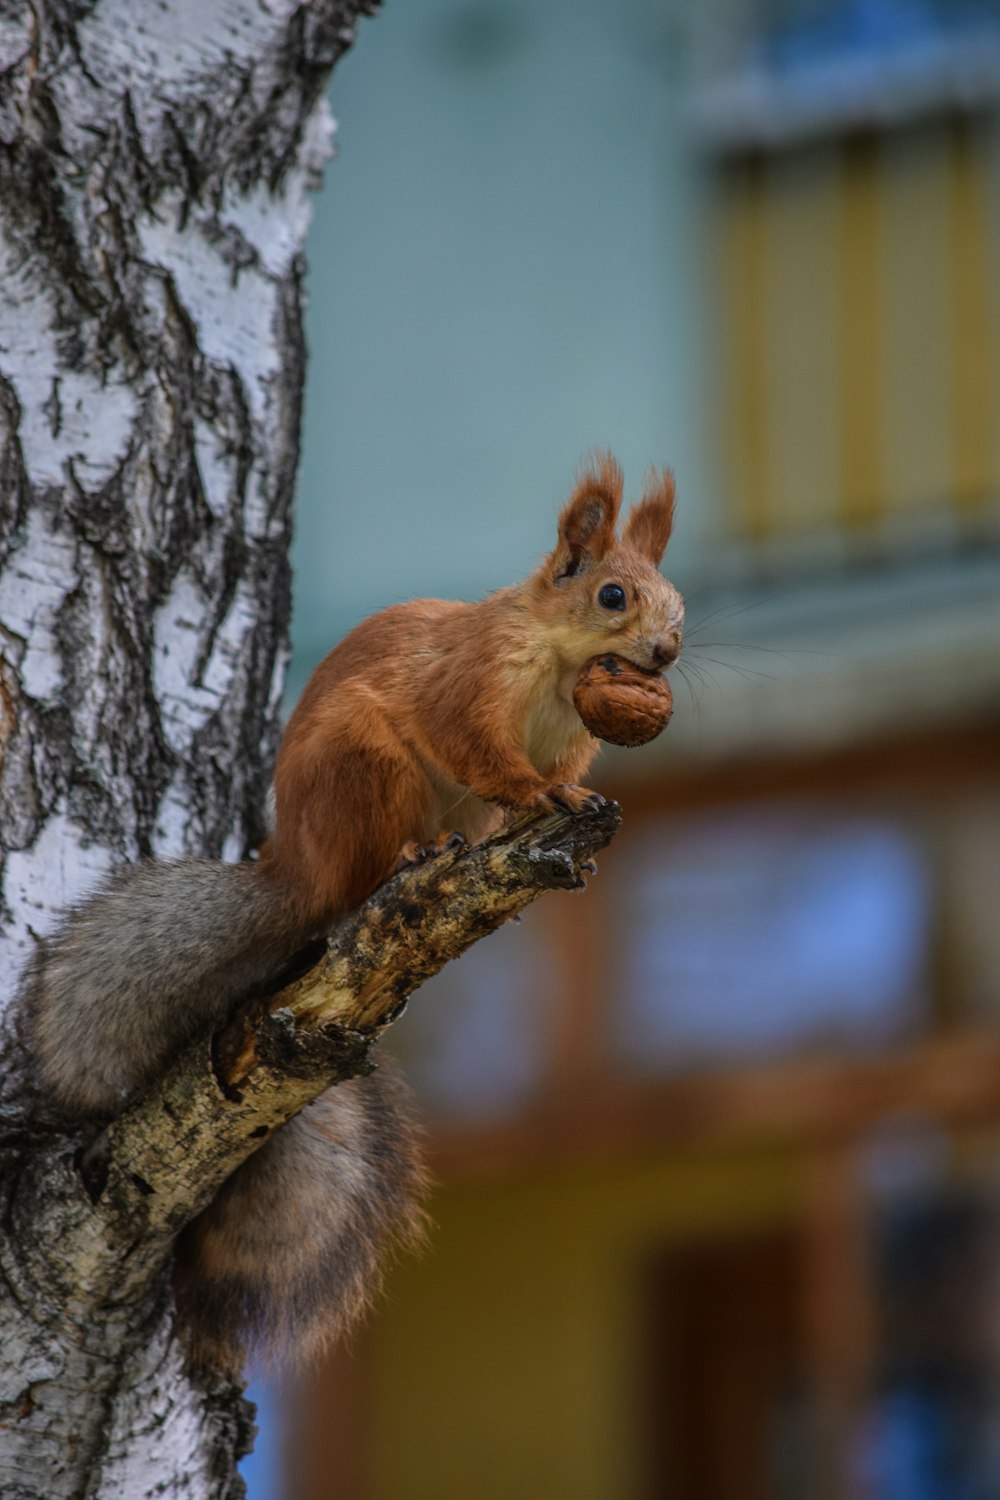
(156, 157)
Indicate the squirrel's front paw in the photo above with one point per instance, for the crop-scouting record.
(566, 796)
(415, 853)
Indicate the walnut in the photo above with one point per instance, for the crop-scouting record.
(621, 703)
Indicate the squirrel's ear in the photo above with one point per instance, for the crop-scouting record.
(587, 524)
(648, 525)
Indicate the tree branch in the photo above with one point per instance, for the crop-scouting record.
(157, 1165)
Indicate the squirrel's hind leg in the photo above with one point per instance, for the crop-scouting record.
(339, 862)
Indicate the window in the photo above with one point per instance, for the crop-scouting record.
(858, 337)
(770, 929)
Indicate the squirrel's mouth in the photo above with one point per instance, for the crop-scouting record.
(615, 663)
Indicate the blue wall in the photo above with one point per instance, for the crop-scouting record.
(496, 275)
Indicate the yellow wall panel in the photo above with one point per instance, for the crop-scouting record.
(743, 330)
(801, 346)
(861, 324)
(918, 321)
(976, 352)
(506, 1362)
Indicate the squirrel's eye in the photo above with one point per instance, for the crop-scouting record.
(612, 596)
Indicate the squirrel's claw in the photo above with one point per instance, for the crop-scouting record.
(412, 853)
(585, 868)
(416, 853)
(566, 796)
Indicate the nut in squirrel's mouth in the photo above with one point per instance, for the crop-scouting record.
(615, 663)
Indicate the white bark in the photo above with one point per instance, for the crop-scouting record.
(150, 359)
(155, 159)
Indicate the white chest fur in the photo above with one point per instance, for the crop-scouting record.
(552, 726)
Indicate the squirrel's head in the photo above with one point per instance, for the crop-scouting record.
(600, 593)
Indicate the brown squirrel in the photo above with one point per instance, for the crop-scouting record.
(422, 727)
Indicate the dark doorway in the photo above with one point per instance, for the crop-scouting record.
(727, 1417)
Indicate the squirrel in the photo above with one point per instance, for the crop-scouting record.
(421, 729)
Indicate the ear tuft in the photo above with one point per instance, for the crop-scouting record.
(649, 524)
(587, 523)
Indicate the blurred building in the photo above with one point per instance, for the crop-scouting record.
(718, 1142)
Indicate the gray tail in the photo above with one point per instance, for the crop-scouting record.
(157, 955)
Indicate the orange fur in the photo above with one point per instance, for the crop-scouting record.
(650, 523)
(433, 716)
(429, 719)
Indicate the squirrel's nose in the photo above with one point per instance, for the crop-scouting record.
(667, 649)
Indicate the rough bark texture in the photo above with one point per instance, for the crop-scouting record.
(91, 1369)
(155, 157)
(155, 163)
(155, 160)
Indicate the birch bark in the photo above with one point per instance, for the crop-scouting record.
(155, 161)
(155, 157)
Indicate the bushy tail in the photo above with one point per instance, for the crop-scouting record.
(158, 954)
(292, 1249)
